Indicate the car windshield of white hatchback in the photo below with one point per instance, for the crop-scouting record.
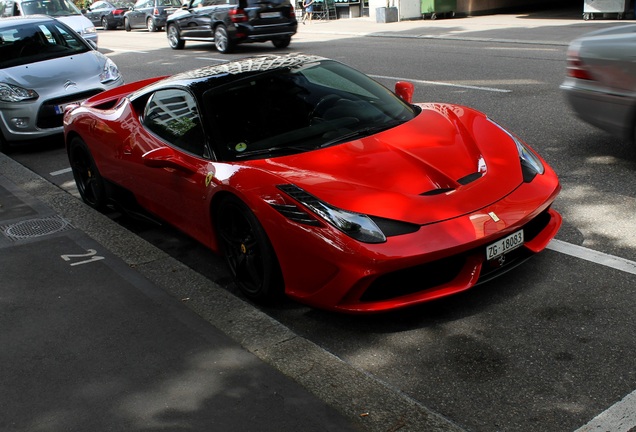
(31, 43)
(54, 8)
(297, 109)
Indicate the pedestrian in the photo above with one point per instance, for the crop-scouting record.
(308, 5)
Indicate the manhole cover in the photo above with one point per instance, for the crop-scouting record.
(35, 228)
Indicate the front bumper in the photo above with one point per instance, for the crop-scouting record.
(438, 260)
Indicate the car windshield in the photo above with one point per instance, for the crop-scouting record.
(297, 109)
(34, 42)
(55, 8)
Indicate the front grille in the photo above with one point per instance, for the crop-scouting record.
(414, 279)
(50, 114)
(434, 274)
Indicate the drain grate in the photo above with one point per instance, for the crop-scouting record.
(32, 228)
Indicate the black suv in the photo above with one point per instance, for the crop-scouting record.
(231, 22)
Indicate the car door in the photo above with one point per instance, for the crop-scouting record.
(137, 16)
(198, 23)
(167, 163)
(93, 13)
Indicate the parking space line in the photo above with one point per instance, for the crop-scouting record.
(60, 172)
(439, 83)
(601, 258)
(620, 417)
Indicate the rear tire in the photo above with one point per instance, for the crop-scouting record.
(174, 38)
(105, 25)
(222, 41)
(89, 181)
(282, 42)
(248, 251)
(150, 25)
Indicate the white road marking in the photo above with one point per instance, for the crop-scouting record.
(62, 171)
(438, 83)
(620, 417)
(601, 258)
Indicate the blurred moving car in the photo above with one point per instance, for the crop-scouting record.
(600, 84)
(232, 22)
(329, 188)
(63, 10)
(44, 66)
(108, 15)
(150, 14)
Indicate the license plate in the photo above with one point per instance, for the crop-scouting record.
(505, 245)
(59, 109)
(270, 15)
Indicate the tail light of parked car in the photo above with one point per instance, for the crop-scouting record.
(156, 11)
(238, 15)
(575, 67)
(118, 12)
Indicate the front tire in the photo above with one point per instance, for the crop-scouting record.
(222, 40)
(89, 181)
(174, 38)
(127, 25)
(248, 251)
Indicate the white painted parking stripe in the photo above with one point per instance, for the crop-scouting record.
(601, 258)
(438, 83)
(620, 417)
(62, 171)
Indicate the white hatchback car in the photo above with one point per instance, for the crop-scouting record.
(44, 66)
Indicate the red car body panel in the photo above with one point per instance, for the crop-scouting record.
(321, 266)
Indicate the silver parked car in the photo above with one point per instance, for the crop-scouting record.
(44, 66)
(63, 10)
(601, 79)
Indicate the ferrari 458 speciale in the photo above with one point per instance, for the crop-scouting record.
(314, 180)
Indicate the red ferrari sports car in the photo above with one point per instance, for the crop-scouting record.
(315, 181)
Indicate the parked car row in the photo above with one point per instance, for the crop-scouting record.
(225, 23)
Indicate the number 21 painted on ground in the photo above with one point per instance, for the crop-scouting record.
(91, 253)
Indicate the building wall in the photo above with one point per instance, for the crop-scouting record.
(410, 9)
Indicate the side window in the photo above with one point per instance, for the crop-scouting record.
(172, 115)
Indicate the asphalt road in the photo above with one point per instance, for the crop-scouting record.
(546, 347)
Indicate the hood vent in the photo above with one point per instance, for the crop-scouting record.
(462, 181)
(469, 178)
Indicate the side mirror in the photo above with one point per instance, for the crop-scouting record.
(92, 44)
(405, 90)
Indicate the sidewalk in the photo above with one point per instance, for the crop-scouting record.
(553, 27)
(103, 332)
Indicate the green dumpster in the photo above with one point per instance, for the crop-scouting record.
(434, 9)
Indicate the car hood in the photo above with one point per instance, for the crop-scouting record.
(79, 23)
(448, 161)
(54, 77)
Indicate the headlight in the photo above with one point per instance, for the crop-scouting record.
(355, 225)
(13, 93)
(89, 30)
(110, 72)
(530, 163)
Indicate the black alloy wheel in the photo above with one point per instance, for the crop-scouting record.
(87, 177)
(248, 251)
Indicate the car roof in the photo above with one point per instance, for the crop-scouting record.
(246, 66)
(9, 22)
